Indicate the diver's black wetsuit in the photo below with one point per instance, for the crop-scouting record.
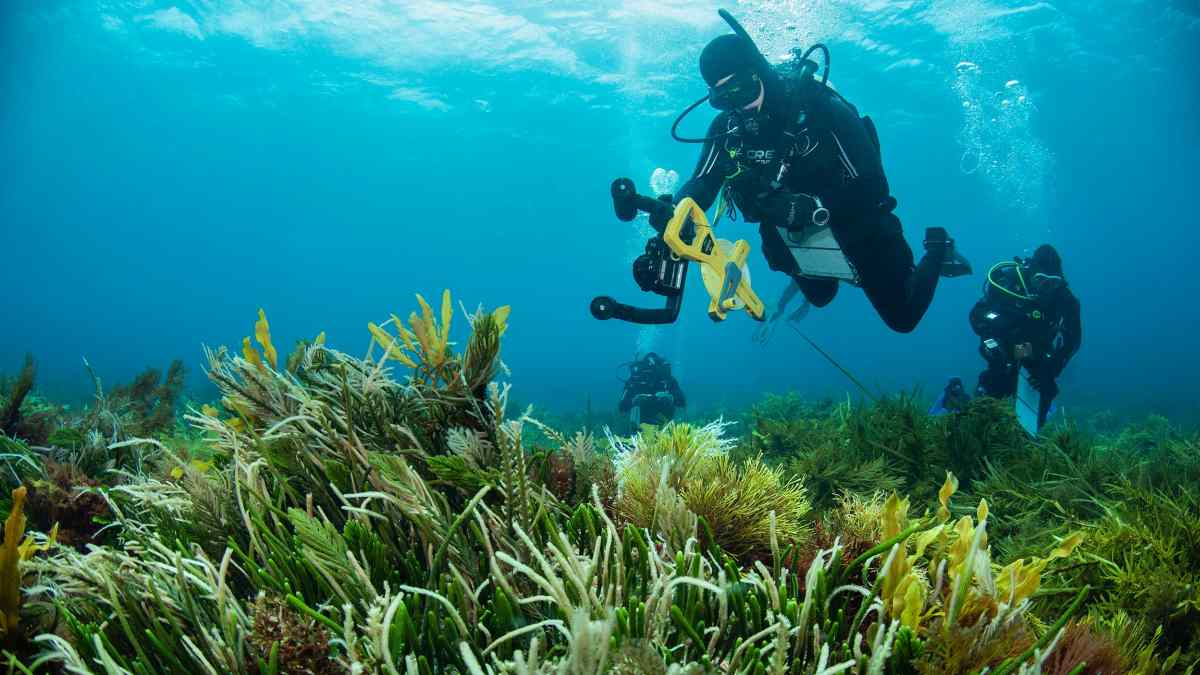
(647, 378)
(808, 140)
(1049, 322)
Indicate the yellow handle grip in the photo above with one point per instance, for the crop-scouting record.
(703, 249)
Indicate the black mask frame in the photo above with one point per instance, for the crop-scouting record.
(738, 91)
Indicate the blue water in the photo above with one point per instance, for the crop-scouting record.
(170, 168)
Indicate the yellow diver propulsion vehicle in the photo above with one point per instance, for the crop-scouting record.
(722, 263)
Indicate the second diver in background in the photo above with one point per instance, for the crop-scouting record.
(1028, 317)
(651, 393)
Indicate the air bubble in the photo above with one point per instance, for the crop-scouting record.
(970, 161)
(664, 181)
(996, 139)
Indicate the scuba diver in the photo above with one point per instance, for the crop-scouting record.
(790, 153)
(1028, 317)
(651, 393)
(954, 398)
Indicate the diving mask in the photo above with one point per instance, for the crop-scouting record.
(1046, 284)
(735, 92)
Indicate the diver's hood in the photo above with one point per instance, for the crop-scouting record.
(758, 64)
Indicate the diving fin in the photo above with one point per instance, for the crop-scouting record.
(954, 264)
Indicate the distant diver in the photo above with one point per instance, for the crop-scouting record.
(793, 155)
(954, 398)
(1028, 317)
(652, 393)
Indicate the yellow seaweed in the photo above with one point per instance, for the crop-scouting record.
(928, 537)
(501, 317)
(251, 354)
(29, 546)
(425, 322)
(13, 552)
(447, 315)
(1067, 546)
(405, 335)
(895, 516)
(964, 531)
(10, 558)
(913, 601)
(1020, 579)
(199, 465)
(902, 590)
(390, 348)
(429, 339)
(262, 333)
(944, 494)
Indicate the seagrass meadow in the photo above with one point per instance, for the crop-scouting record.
(395, 514)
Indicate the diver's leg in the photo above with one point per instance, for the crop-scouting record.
(994, 382)
(819, 292)
(1005, 378)
(899, 291)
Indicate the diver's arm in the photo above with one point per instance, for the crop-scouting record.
(709, 175)
(995, 348)
(1072, 332)
(979, 324)
(626, 400)
(861, 161)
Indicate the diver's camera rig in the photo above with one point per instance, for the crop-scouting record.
(658, 270)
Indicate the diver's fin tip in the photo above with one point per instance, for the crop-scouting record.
(956, 268)
(954, 264)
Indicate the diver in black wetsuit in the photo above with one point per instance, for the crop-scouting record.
(789, 153)
(1027, 316)
(954, 398)
(651, 393)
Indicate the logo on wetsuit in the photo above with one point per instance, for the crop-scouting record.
(761, 156)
